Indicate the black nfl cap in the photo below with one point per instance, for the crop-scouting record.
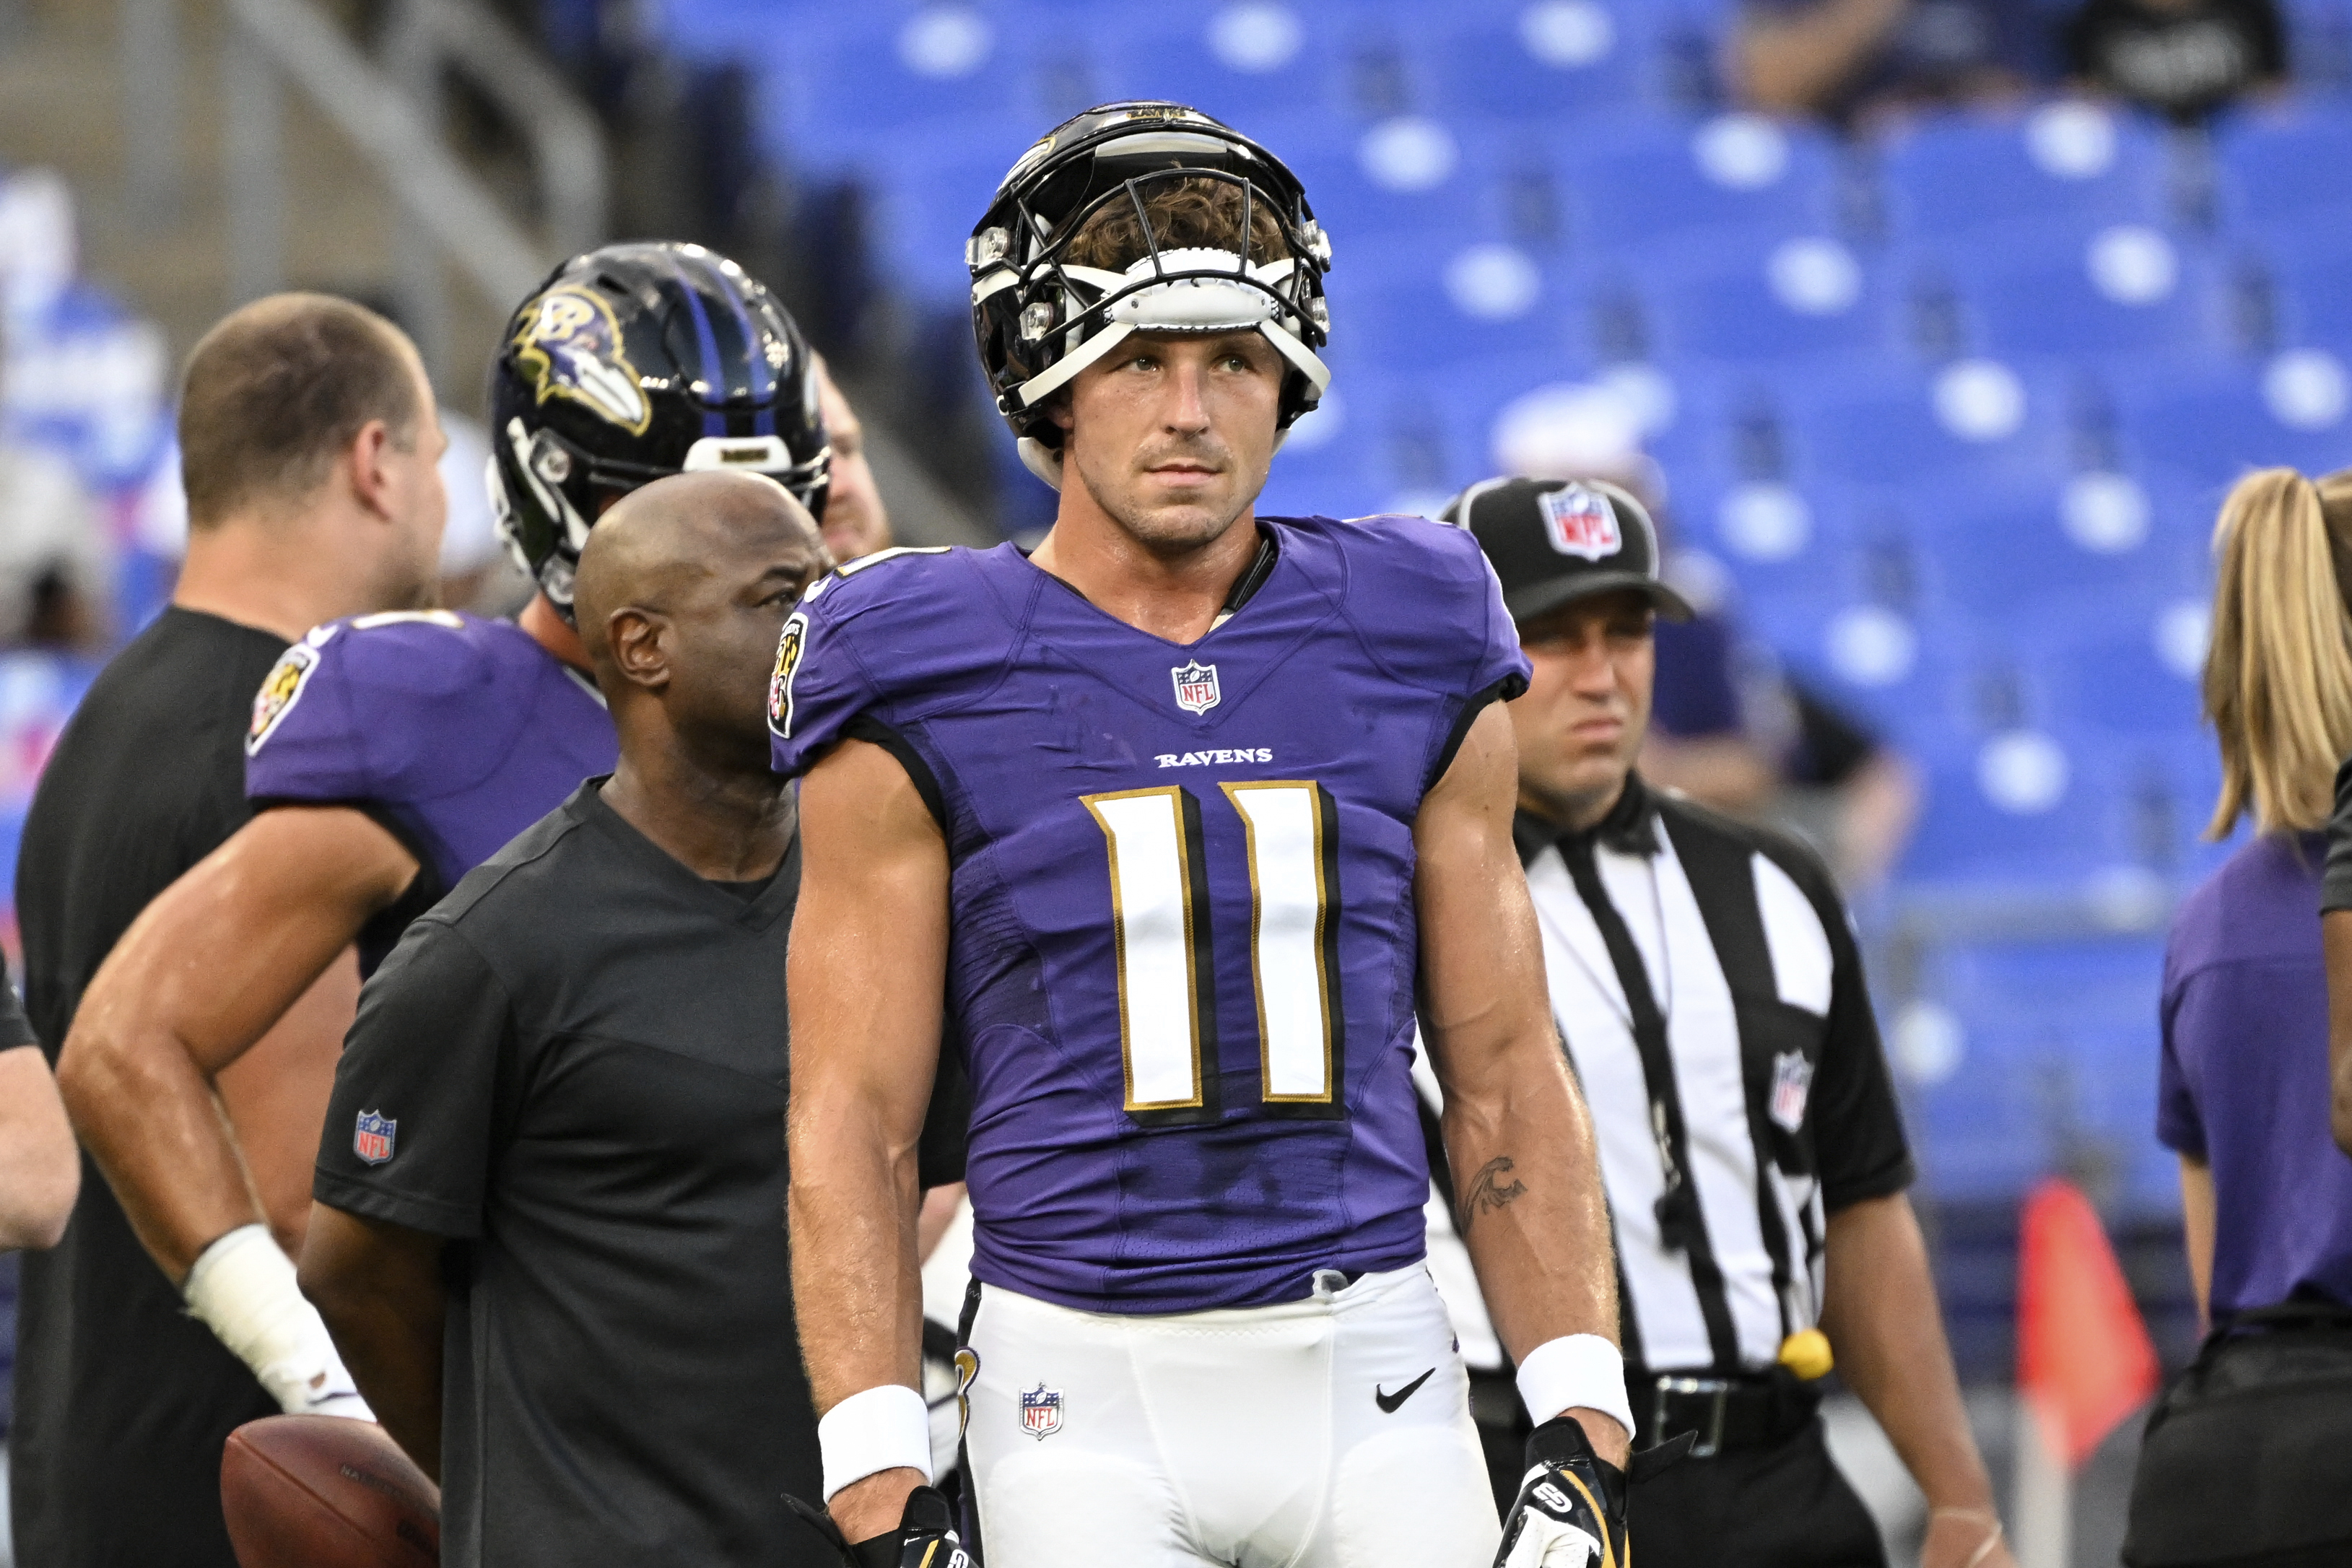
(1552, 541)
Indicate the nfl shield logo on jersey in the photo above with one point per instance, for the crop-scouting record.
(1196, 686)
(373, 1141)
(1792, 1082)
(1041, 1411)
(1580, 523)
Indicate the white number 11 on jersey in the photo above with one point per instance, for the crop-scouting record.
(1159, 914)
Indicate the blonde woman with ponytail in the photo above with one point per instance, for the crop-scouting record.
(2266, 1194)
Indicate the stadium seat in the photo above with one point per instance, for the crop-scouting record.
(2008, 553)
(1247, 62)
(2066, 290)
(1784, 300)
(1408, 181)
(1444, 303)
(1892, 425)
(2020, 806)
(1645, 180)
(869, 72)
(1539, 60)
(2067, 159)
(2287, 166)
(2211, 422)
(927, 191)
(2310, 280)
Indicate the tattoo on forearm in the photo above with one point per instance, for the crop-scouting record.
(1491, 1189)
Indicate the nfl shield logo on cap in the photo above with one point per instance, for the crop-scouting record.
(373, 1141)
(1580, 521)
(1041, 1411)
(1196, 686)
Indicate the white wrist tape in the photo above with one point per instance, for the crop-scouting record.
(243, 1289)
(1574, 1369)
(876, 1429)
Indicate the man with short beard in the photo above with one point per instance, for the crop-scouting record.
(1163, 827)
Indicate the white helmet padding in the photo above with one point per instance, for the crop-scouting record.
(1041, 318)
(1197, 290)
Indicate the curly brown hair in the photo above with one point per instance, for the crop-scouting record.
(1193, 212)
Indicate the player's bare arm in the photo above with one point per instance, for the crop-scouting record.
(240, 953)
(1880, 1310)
(40, 1168)
(866, 979)
(1517, 1133)
(379, 1287)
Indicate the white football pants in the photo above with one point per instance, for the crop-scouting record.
(1329, 1433)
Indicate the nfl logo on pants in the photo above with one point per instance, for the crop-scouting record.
(1041, 1411)
(372, 1140)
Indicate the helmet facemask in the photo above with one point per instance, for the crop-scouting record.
(1044, 318)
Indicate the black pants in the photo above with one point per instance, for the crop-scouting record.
(1781, 1507)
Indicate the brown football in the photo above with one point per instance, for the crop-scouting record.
(319, 1491)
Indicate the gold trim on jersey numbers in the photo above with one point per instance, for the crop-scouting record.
(1315, 802)
(1175, 798)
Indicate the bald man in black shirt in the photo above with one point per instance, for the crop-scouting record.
(558, 1255)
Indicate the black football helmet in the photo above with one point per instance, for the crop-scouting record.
(1040, 319)
(633, 361)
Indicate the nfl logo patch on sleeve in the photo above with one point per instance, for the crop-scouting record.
(372, 1141)
(1196, 686)
(1041, 1411)
(1792, 1083)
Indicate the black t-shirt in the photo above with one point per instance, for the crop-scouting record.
(2176, 62)
(574, 1068)
(123, 1400)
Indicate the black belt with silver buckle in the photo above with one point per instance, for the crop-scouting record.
(1723, 1412)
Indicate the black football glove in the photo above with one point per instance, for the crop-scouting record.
(926, 1536)
(1570, 1511)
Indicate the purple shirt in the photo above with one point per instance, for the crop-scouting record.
(1182, 958)
(2244, 1084)
(453, 732)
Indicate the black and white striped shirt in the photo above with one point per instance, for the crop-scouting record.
(1711, 995)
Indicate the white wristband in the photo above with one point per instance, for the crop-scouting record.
(876, 1429)
(1574, 1369)
(243, 1289)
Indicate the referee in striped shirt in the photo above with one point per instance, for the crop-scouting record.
(1707, 985)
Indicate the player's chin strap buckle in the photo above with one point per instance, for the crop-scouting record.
(1715, 1395)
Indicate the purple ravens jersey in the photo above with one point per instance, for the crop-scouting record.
(453, 732)
(1183, 950)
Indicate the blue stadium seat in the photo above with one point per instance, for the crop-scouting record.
(2004, 553)
(1404, 182)
(2285, 166)
(1441, 304)
(1248, 63)
(2021, 807)
(1541, 60)
(1983, 420)
(880, 71)
(2211, 422)
(928, 190)
(2063, 160)
(2077, 292)
(1649, 179)
(1783, 300)
(2309, 270)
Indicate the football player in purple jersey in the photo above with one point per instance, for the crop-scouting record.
(390, 753)
(1171, 829)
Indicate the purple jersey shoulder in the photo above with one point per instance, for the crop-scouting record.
(1426, 604)
(881, 630)
(458, 730)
